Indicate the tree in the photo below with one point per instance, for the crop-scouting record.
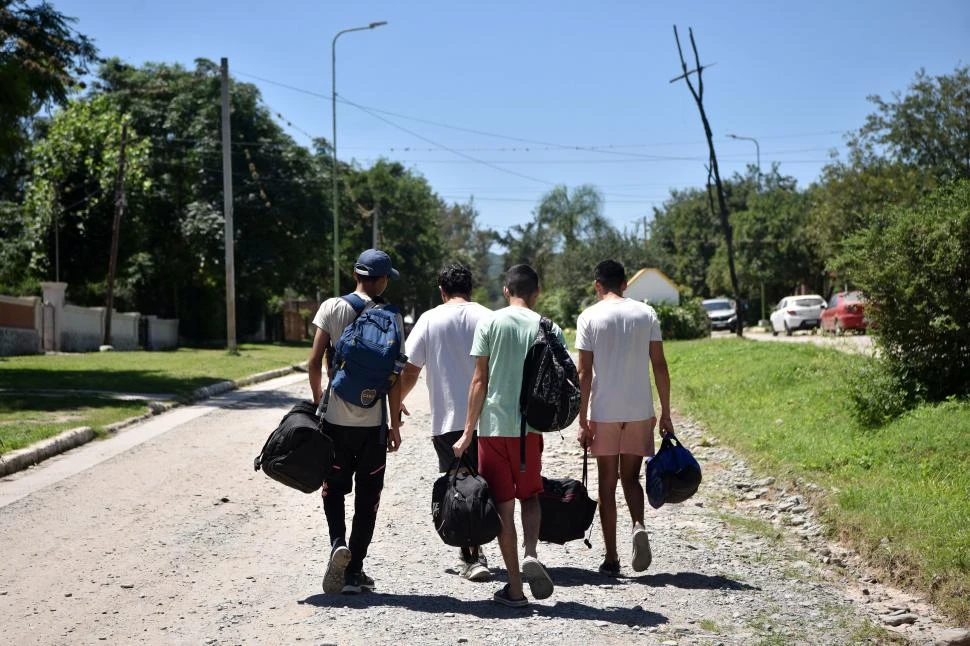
(914, 265)
(464, 241)
(928, 128)
(409, 212)
(41, 58)
(68, 204)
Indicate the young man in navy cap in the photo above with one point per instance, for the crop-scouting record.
(361, 439)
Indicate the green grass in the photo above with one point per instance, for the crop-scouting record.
(27, 417)
(786, 407)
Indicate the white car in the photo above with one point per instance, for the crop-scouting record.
(721, 312)
(797, 313)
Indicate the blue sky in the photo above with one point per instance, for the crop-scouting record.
(568, 92)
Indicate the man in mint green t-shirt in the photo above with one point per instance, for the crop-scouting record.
(501, 343)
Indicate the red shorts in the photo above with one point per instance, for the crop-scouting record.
(498, 462)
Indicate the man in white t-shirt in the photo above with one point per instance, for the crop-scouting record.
(361, 436)
(617, 339)
(442, 341)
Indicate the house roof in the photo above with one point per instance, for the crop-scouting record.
(650, 270)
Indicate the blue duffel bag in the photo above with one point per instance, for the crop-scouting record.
(673, 474)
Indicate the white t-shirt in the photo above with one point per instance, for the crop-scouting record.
(334, 315)
(442, 340)
(618, 332)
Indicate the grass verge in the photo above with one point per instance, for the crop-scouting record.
(37, 401)
(900, 493)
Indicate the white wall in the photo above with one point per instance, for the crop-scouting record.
(81, 328)
(653, 286)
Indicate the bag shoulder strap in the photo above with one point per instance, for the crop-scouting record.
(355, 301)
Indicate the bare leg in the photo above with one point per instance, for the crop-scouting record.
(632, 490)
(507, 543)
(531, 518)
(608, 467)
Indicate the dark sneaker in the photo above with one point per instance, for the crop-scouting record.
(641, 550)
(502, 597)
(533, 573)
(333, 580)
(357, 582)
(610, 568)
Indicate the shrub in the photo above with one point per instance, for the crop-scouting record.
(685, 321)
(914, 266)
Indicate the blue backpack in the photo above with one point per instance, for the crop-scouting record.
(367, 357)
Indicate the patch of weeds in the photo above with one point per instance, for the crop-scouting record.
(755, 526)
(709, 625)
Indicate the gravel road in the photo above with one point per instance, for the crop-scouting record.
(174, 539)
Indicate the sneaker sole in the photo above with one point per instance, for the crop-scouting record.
(356, 589)
(641, 551)
(478, 574)
(333, 580)
(540, 584)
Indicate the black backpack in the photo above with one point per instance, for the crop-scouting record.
(462, 508)
(298, 453)
(549, 399)
(567, 509)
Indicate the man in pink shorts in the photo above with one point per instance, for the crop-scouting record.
(618, 339)
(501, 343)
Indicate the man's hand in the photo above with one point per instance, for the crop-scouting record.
(393, 439)
(584, 435)
(462, 444)
(666, 424)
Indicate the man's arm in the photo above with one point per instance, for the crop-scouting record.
(476, 398)
(394, 402)
(662, 378)
(321, 341)
(408, 378)
(585, 369)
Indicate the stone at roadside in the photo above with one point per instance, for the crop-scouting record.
(954, 637)
(898, 620)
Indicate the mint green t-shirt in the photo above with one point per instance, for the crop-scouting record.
(505, 338)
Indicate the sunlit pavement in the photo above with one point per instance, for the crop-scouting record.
(850, 342)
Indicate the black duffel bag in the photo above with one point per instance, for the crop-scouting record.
(298, 453)
(567, 510)
(462, 508)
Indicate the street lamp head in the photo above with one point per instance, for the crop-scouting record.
(374, 25)
(733, 136)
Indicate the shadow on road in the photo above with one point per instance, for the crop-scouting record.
(693, 581)
(487, 609)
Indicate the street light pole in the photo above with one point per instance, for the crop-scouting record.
(757, 151)
(333, 171)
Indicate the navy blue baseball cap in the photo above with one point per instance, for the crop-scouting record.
(375, 262)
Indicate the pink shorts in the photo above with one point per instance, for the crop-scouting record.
(627, 438)
(498, 463)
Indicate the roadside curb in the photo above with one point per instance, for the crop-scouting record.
(72, 438)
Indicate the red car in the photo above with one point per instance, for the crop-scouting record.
(845, 311)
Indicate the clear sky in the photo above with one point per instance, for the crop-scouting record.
(556, 92)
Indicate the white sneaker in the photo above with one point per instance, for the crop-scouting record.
(475, 572)
(641, 550)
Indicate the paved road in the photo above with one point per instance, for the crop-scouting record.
(858, 343)
(165, 535)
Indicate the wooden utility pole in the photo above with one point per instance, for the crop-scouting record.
(115, 233)
(712, 170)
(227, 208)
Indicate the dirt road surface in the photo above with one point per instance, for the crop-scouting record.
(165, 535)
(852, 342)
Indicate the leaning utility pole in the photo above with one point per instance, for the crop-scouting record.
(115, 234)
(227, 207)
(712, 169)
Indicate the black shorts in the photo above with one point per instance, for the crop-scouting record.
(446, 454)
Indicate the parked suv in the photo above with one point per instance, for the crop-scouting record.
(845, 311)
(722, 313)
(797, 313)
